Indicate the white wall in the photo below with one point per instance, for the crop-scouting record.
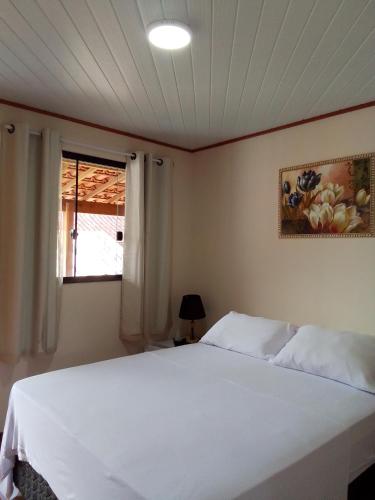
(238, 260)
(90, 311)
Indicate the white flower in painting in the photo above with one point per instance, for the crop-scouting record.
(362, 198)
(321, 213)
(332, 193)
(345, 219)
(338, 219)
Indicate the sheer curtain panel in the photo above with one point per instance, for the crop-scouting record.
(145, 304)
(30, 282)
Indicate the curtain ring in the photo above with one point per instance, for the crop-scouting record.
(133, 156)
(11, 128)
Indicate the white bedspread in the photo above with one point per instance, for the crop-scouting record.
(194, 422)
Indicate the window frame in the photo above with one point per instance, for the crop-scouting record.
(68, 280)
(105, 162)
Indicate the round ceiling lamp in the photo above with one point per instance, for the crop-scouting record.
(169, 35)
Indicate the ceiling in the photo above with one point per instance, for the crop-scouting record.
(252, 64)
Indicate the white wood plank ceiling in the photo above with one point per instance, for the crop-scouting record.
(252, 64)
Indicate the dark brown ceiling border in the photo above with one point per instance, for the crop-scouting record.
(90, 124)
(342, 111)
(287, 125)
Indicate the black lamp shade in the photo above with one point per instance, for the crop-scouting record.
(192, 307)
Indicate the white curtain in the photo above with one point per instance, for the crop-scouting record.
(30, 280)
(145, 304)
(49, 257)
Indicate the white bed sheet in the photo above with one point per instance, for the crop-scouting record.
(194, 422)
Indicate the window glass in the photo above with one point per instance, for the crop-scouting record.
(93, 203)
(98, 251)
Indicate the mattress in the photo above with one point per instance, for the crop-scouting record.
(193, 422)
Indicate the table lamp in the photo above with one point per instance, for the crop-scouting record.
(192, 309)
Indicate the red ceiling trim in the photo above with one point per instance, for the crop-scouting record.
(287, 125)
(90, 124)
(196, 150)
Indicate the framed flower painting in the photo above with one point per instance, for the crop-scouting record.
(328, 198)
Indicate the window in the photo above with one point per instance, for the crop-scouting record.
(93, 204)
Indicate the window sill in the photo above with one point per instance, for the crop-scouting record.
(91, 279)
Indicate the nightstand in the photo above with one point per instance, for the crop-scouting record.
(189, 340)
(159, 344)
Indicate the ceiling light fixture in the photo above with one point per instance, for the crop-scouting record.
(169, 35)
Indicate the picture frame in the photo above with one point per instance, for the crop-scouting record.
(329, 198)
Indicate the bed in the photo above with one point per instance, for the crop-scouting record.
(192, 422)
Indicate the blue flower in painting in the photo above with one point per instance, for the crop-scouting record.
(286, 187)
(295, 199)
(308, 180)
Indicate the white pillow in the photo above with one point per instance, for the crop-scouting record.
(346, 357)
(259, 337)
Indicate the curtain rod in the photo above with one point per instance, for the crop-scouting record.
(10, 127)
(132, 156)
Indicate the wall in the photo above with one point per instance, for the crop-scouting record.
(238, 260)
(90, 311)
